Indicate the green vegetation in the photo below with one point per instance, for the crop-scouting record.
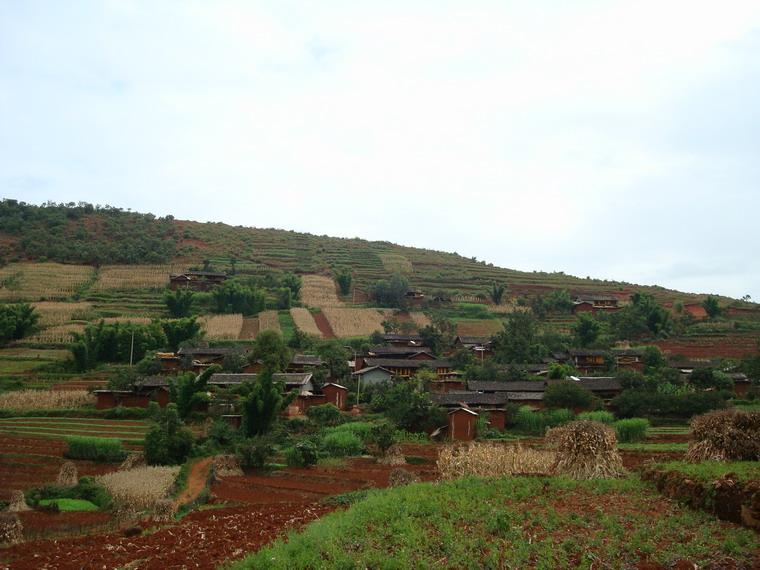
(601, 416)
(116, 342)
(467, 522)
(262, 405)
(342, 444)
(69, 505)
(536, 423)
(654, 447)
(16, 321)
(708, 471)
(101, 449)
(179, 302)
(168, 442)
(86, 490)
(631, 430)
(567, 394)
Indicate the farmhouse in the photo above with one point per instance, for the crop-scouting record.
(371, 375)
(630, 358)
(145, 390)
(479, 345)
(402, 339)
(395, 352)
(196, 280)
(298, 381)
(587, 361)
(494, 387)
(595, 303)
(304, 362)
(462, 424)
(199, 358)
(604, 387)
(406, 368)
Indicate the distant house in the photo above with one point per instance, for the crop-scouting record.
(462, 424)
(395, 352)
(595, 303)
(304, 362)
(630, 358)
(405, 368)
(742, 384)
(298, 381)
(586, 360)
(478, 345)
(196, 280)
(143, 391)
(371, 375)
(336, 395)
(494, 387)
(170, 362)
(402, 339)
(603, 387)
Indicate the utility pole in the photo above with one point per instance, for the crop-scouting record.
(132, 348)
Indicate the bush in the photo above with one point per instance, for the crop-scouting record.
(254, 452)
(724, 436)
(567, 394)
(342, 444)
(302, 454)
(536, 423)
(86, 490)
(639, 403)
(383, 435)
(168, 442)
(601, 416)
(101, 449)
(631, 430)
(326, 415)
(586, 450)
(362, 430)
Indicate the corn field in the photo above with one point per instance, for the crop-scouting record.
(45, 399)
(395, 262)
(493, 460)
(353, 322)
(420, 319)
(41, 281)
(319, 291)
(61, 334)
(269, 321)
(57, 313)
(134, 320)
(121, 277)
(222, 327)
(141, 488)
(305, 322)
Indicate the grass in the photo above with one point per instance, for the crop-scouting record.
(70, 505)
(61, 428)
(546, 523)
(654, 447)
(708, 471)
(101, 449)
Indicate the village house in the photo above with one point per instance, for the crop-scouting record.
(144, 391)
(372, 375)
(629, 358)
(462, 424)
(196, 280)
(595, 303)
(587, 361)
(402, 339)
(405, 368)
(394, 352)
(478, 345)
(304, 363)
(603, 387)
(199, 358)
(522, 392)
(491, 404)
(298, 381)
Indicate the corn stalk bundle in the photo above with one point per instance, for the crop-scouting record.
(725, 435)
(493, 460)
(585, 450)
(67, 476)
(17, 502)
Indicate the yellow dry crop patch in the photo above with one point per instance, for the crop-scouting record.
(305, 321)
(59, 313)
(222, 327)
(133, 320)
(34, 353)
(269, 321)
(41, 281)
(45, 399)
(140, 488)
(420, 319)
(319, 291)
(353, 322)
(395, 262)
(120, 277)
(60, 334)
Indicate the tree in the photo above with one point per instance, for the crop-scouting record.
(519, 342)
(653, 358)
(293, 283)
(335, 357)
(344, 277)
(407, 407)
(179, 302)
(187, 390)
(391, 293)
(234, 297)
(168, 442)
(643, 317)
(264, 403)
(496, 292)
(586, 329)
(180, 330)
(115, 342)
(284, 298)
(16, 321)
(712, 306)
(271, 349)
(707, 378)
(559, 371)
(567, 395)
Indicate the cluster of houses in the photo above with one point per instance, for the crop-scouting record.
(402, 356)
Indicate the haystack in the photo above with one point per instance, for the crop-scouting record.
(226, 466)
(585, 450)
(164, 510)
(393, 456)
(11, 529)
(400, 477)
(725, 435)
(67, 476)
(17, 502)
(133, 459)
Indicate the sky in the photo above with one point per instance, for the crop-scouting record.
(617, 140)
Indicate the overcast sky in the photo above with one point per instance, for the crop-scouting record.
(619, 140)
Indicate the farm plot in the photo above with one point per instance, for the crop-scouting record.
(222, 327)
(60, 334)
(353, 322)
(42, 281)
(395, 262)
(122, 277)
(478, 327)
(134, 320)
(319, 291)
(128, 431)
(45, 399)
(269, 321)
(304, 321)
(54, 313)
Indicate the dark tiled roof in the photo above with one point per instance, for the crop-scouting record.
(207, 351)
(468, 398)
(525, 396)
(407, 337)
(152, 382)
(474, 339)
(307, 360)
(520, 386)
(584, 298)
(585, 352)
(290, 378)
(370, 368)
(381, 350)
(206, 273)
(404, 363)
(628, 351)
(600, 384)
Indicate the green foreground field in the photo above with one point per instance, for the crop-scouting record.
(517, 522)
(128, 431)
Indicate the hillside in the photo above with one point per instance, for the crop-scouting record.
(83, 234)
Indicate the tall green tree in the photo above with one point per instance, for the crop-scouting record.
(586, 329)
(293, 283)
(519, 342)
(168, 442)
(391, 292)
(180, 330)
(344, 277)
(336, 357)
(712, 306)
(16, 321)
(179, 302)
(234, 297)
(271, 349)
(496, 292)
(263, 404)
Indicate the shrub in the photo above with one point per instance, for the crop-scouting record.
(101, 449)
(254, 452)
(168, 442)
(586, 450)
(637, 403)
(326, 415)
(362, 430)
(601, 416)
(383, 435)
(400, 477)
(567, 394)
(342, 444)
(631, 430)
(88, 489)
(725, 435)
(302, 454)
(529, 421)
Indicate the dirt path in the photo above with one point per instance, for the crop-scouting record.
(249, 329)
(196, 481)
(323, 325)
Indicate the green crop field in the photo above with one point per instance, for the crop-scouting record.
(128, 431)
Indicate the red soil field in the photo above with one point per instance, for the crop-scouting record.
(710, 347)
(323, 325)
